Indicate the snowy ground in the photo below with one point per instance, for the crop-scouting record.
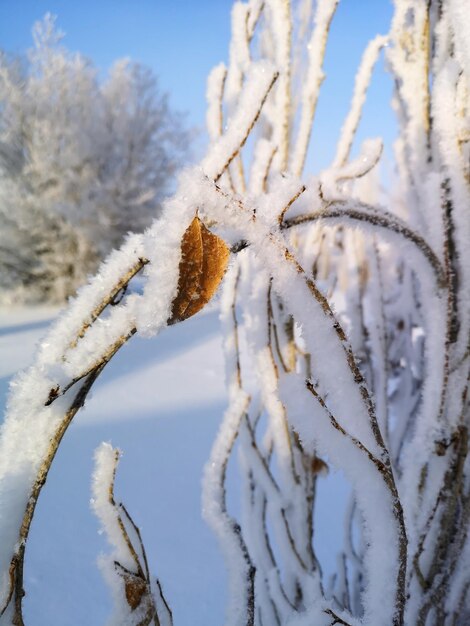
(160, 401)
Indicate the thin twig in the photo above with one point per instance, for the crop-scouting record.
(361, 212)
(17, 562)
(248, 130)
(57, 392)
(121, 284)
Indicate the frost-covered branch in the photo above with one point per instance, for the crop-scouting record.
(363, 214)
(138, 599)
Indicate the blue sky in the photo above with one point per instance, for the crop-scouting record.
(181, 40)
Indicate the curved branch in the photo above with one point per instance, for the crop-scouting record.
(110, 298)
(108, 354)
(16, 591)
(361, 85)
(360, 212)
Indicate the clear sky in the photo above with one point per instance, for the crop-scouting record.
(181, 40)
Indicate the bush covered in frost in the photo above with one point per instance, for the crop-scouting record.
(82, 163)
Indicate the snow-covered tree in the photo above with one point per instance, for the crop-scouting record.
(82, 163)
(356, 347)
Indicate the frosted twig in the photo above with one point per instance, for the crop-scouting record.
(262, 161)
(361, 85)
(240, 126)
(110, 351)
(312, 82)
(16, 591)
(360, 212)
(295, 197)
(121, 284)
(256, 8)
(239, 562)
(449, 497)
(215, 93)
(130, 567)
(215, 511)
(281, 28)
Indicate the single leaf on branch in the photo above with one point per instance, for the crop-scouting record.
(129, 558)
(135, 586)
(204, 258)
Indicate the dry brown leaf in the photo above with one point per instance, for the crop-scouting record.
(203, 262)
(135, 586)
(138, 595)
(135, 589)
(319, 467)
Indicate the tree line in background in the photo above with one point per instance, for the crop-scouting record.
(82, 162)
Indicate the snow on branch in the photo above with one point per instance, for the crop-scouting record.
(138, 599)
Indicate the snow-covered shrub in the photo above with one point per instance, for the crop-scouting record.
(82, 163)
(356, 346)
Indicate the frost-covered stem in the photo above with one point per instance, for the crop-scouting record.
(280, 428)
(242, 601)
(136, 597)
(341, 335)
(290, 202)
(447, 548)
(16, 591)
(450, 71)
(452, 278)
(239, 562)
(285, 495)
(285, 86)
(268, 375)
(362, 82)
(312, 82)
(380, 466)
(379, 338)
(287, 361)
(280, 507)
(166, 606)
(328, 312)
(386, 473)
(271, 599)
(405, 402)
(448, 511)
(110, 298)
(235, 335)
(364, 349)
(108, 354)
(354, 556)
(262, 163)
(142, 569)
(384, 467)
(450, 518)
(410, 61)
(282, 35)
(215, 96)
(360, 212)
(274, 494)
(216, 173)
